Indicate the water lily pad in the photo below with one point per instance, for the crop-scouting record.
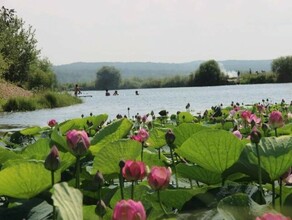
(214, 150)
(240, 207)
(68, 201)
(198, 173)
(186, 130)
(31, 130)
(108, 158)
(24, 180)
(275, 153)
(110, 133)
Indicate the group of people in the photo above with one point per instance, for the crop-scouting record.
(107, 93)
(77, 91)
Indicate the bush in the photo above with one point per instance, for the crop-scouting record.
(20, 104)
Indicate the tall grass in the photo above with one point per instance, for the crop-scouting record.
(40, 101)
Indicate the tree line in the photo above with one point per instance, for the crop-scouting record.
(20, 61)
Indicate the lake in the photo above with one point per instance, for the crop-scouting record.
(170, 99)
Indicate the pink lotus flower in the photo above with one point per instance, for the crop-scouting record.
(276, 119)
(52, 123)
(237, 134)
(78, 142)
(261, 108)
(159, 177)
(52, 161)
(272, 216)
(134, 170)
(245, 115)
(129, 210)
(254, 118)
(142, 135)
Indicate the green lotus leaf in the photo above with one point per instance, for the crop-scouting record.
(82, 123)
(176, 198)
(31, 130)
(25, 180)
(185, 117)
(157, 138)
(108, 158)
(214, 150)
(8, 155)
(275, 154)
(198, 173)
(68, 200)
(184, 131)
(113, 132)
(151, 158)
(59, 140)
(38, 150)
(240, 207)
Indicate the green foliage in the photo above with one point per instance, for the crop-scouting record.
(42, 100)
(283, 67)
(19, 46)
(208, 74)
(258, 78)
(108, 77)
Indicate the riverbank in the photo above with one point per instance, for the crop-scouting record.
(8, 90)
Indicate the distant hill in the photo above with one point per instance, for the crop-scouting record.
(86, 71)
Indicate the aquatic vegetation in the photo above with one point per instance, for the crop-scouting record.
(228, 162)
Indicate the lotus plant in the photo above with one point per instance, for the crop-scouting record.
(133, 171)
(52, 163)
(129, 210)
(276, 121)
(52, 123)
(158, 179)
(141, 136)
(78, 143)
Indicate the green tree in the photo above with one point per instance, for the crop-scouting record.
(18, 48)
(283, 68)
(41, 75)
(108, 77)
(208, 74)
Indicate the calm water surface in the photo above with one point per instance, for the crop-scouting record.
(171, 99)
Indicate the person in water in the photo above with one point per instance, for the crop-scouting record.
(137, 93)
(77, 90)
(107, 93)
(116, 93)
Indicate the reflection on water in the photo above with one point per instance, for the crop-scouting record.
(171, 99)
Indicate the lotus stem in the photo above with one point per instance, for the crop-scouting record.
(77, 174)
(191, 183)
(53, 182)
(276, 132)
(160, 203)
(159, 153)
(132, 190)
(142, 151)
(281, 188)
(262, 200)
(99, 197)
(121, 183)
(273, 194)
(174, 167)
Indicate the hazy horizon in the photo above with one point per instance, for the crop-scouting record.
(158, 31)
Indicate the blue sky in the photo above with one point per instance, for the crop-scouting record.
(158, 30)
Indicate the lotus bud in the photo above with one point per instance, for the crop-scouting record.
(98, 180)
(52, 161)
(100, 208)
(121, 164)
(255, 136)
(159, 177)
(78, 142)
(52, 123)
(276, 119)
(134, 170)
(169, 137)
(130, 210)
